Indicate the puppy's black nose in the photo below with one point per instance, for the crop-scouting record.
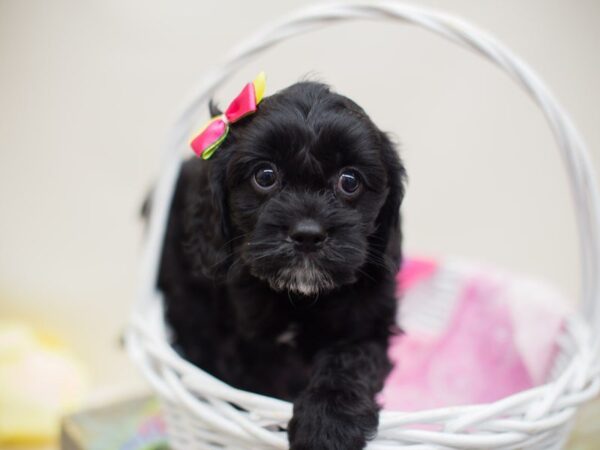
(307, 234)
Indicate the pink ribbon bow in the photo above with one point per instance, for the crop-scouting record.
(212, 135)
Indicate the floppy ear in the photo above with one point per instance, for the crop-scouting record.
(388, 238)
(207, 225)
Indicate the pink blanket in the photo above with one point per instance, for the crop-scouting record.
(496, 338)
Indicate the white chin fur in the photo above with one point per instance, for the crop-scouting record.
(306, 280)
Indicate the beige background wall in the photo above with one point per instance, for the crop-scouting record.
(88, 90)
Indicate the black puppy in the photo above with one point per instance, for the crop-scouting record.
(279, 261)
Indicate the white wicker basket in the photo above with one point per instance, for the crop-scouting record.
(205, 413)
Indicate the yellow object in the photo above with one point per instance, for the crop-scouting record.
(259, 86)
(39, 382)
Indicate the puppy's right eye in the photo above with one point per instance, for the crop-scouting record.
(265, 178)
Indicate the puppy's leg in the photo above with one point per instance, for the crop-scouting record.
(337, 411)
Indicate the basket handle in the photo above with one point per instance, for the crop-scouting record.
(572, 147)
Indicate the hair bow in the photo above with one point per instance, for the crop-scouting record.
(212, 135)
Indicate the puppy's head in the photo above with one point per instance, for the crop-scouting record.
(310, 191)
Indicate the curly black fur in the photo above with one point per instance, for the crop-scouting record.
(234, 282)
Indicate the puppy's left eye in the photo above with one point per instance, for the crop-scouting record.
(349, 183)
(265, 178)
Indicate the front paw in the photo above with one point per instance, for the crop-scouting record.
(324, 433)
(316, 425)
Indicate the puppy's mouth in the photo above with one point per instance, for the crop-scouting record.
(305, 278)
(308, 274)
